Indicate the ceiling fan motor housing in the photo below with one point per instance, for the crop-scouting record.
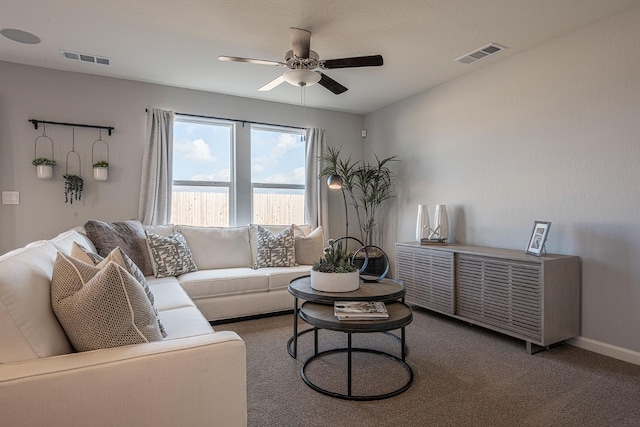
(296, 63)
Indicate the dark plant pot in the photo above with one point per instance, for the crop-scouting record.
(375, 266)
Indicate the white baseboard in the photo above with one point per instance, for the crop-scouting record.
(606, 349)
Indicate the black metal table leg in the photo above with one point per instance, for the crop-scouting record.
(349, 364)
(295, 327)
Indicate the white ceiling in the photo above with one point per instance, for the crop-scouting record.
(177, 43)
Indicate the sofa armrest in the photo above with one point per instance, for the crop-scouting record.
(193, 381)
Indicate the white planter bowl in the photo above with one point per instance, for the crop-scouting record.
(100, 174)
(44, 171)
(335, 282)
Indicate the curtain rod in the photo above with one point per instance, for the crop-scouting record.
(78, 125)
(235, 120)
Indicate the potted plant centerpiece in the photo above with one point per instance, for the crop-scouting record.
(368, 186)
(44, 167)
(335, 272)
(101, 170)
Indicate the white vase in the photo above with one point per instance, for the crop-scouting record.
(422, 223)
(441, 222)
(44, 171)
(335, 282)
(100, 174)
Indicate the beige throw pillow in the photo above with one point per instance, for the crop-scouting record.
(309, 248)
(83, 254)
(101, 307)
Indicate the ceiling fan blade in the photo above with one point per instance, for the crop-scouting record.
(331, 84)
(251, 61)
(301, 42)
(357, 61)
(273, 83)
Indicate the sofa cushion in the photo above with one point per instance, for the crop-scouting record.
(218, 247)
(28, 325)
(101, 307)
(276, 250)
(129, 235)
(185, 322)
(280, 277)
(171, 255)
(224, 281)
(309, 247)
(169, 294)
(83, 254)
(64, 241)
(303, 229)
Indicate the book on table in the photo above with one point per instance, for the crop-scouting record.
(360, 310)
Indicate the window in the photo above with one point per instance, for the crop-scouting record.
(227, 174)
(277, 175)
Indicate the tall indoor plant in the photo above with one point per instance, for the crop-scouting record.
(367, 184)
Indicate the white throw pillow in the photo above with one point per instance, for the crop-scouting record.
(101, 307)
(276, 250)
(218, 247)
(170, 255)
(309, 248)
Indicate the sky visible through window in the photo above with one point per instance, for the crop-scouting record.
(202, 152)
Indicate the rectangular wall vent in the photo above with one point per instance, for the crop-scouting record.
(481, 53)
(84, 57)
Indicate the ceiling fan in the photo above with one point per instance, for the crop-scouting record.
(304, 64)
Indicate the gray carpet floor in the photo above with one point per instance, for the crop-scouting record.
(464, 375)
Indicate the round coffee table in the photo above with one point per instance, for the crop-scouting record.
(321, 316)
(386, 290)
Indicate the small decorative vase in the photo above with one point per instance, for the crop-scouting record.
(422, 223)
(44, 171)
(441, 222)
(100, 174)
(335, 282)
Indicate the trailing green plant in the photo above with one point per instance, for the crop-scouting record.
(101, 164)
(367, 184)
(72, 188)
(43, 161)
(335, 260)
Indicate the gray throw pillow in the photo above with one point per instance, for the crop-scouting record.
(129, 235)
(275, 250)
(101, 307)
(83, 254)
(171, 254)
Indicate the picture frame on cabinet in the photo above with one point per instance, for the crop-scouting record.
(538, 237)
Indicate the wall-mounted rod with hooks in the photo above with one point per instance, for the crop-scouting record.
(35, 125)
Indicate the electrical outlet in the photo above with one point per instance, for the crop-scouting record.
(10, 197)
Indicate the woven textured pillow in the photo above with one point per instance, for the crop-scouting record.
(129, 235)
(275, 250)
(309, 248)
(83, 254)
(101, 307)
(171, 255)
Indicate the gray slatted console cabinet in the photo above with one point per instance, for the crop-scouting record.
(536, 299)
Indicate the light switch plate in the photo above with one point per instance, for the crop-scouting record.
(10, 197)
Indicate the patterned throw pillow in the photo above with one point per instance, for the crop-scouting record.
(171, 255)
(83, 254)
(101, 307)
(275, 250)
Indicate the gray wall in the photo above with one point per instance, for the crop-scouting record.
(550, 134)
(29, 92)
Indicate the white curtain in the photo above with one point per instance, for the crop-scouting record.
(156, 184)
(316, 196)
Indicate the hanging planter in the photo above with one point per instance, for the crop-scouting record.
(44, 165)
(101, 171)
(73, 184)
(100, 168)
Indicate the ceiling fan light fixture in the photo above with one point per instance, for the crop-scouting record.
(301, 77)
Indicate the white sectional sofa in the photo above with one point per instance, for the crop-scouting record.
(193, 377)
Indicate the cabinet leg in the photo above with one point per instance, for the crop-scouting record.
(535, 348)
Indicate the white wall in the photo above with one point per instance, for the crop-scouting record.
(29, 92)
(550, 134)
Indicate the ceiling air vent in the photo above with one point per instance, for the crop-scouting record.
(84, 57)
(481, 53)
